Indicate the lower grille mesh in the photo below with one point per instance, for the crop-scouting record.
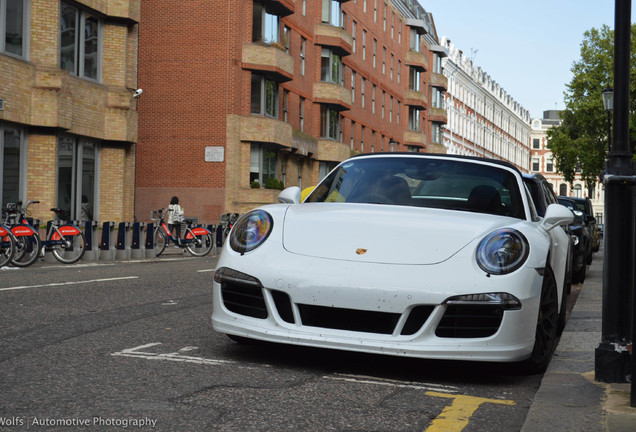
(464, 321)
(348, 319)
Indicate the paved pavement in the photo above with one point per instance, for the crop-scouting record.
(569, 399)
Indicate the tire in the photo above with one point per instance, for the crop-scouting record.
(159, 241)
(7, 249)
(546, 334)
(578, 276)
(204, 243)
(27, 250)
(72, 250)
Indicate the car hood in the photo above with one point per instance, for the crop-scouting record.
(382, 233)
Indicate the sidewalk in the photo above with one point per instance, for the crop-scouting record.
(569, 399)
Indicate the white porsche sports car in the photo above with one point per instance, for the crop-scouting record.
(407, 254)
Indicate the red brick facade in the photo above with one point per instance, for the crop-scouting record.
(196, 64)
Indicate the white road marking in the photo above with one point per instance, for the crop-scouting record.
(67, 283)
(392, 383)
(204, 271)
(175, 356)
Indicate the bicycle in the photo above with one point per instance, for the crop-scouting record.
(66, 241)
(7, 245)
(197, 241)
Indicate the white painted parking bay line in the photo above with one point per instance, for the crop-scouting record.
(67, 283)
(174, 356)
(392, 383)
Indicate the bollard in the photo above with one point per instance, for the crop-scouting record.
(92, 244)
(138, 245)
(123, 241)
(150, 240)
(107, 245)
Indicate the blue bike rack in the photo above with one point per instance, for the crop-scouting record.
(138, 245)
(107, 245)
(150, 241)
(123, 241)
(92, 245)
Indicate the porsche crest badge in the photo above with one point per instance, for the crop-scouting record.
(361, 251)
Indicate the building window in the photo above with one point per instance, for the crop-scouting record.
(13, 163)
(578, 191)
(353, 35)
(373, 99)
(364, 44)
(80, 42)
(14, 27)
(549, 166)
(331, 67)
(301, 113)
(329, 122)
(266, 24)
(397, 113)
(391, 70)
(304, 7)
(285, 105)
(414, 119)
(286, 34)
(536, 143)
(437, 63)
(436, 133)
(414, 79)
(362, 86)
(353, 133)
(332, 13)
(383, 97)
(325, 168)
(535, 164)
(303, 42)
(77, 174)
(375, 49)
(437, 98)
(391, 110)
(415, 41)
(383, 60)
(263, 161)
(353, 86)
(264, 96)
(399, 71)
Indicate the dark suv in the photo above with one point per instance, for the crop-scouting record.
(585, 205)
(581, 234)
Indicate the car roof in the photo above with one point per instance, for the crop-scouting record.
(442, 155)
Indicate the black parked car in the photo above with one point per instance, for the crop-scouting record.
(585, 205)
(582, 244)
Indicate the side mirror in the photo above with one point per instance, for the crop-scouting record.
(591, 220)
(291, 195)
(556, 215)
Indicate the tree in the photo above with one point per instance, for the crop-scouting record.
(579, 144)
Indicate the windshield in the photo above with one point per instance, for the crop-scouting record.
(423, 182)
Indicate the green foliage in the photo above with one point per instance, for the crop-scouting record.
(581, 140)
(274, 183)
(255, 185)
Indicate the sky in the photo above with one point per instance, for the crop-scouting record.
(526, 47)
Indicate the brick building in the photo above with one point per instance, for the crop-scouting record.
(247, 95)
(68, 118)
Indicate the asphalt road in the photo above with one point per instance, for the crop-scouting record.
(129, 346)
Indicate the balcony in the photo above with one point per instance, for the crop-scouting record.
(415, 98)
(265, 129)
(281, 7)
(414, 138)
(335, 37)
(417, 60)
(332, 94)
(330, 150)
(438, 115)
(270, 59)
(439, 80)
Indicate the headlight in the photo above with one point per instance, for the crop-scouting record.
(250, 231)
(502, 251)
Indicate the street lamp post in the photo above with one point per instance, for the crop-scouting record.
(608, 103)
(393, 145)
(612, 357)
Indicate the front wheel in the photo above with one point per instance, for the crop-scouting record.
(27, 250)
(546, 334)
(70, 249)
(7, 249)
(159, 241)
(202, 246)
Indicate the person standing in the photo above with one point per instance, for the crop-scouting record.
(175, 217)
